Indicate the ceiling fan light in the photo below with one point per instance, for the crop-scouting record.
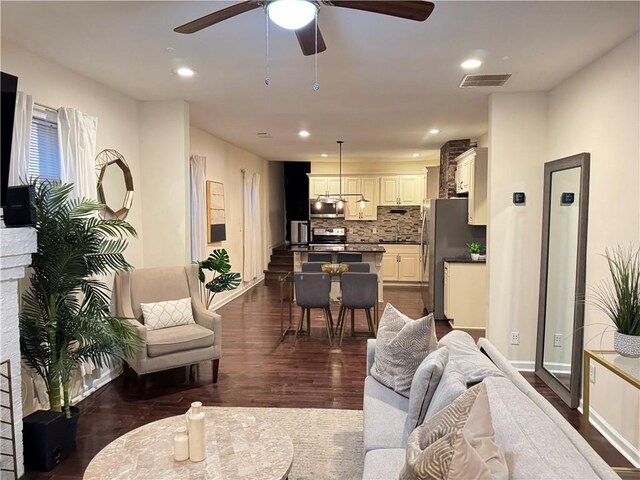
(291, 14)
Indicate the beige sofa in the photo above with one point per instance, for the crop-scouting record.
(171, 347)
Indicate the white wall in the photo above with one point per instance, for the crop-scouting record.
(164, 154)
(276, 230)
(596, 111)
(433, 182)
(55, 86)
(364, 168)
(517, 151)
(224, 164)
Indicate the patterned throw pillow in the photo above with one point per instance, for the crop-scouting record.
(457, 443)
(167, 314)
(401, 346)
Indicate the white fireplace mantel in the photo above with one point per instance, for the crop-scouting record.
(16, 247)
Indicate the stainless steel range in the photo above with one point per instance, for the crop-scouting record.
(328, 238)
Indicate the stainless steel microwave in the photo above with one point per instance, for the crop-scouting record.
(325, 209)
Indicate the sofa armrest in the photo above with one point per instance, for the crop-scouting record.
(371, 354)
(140, 328)
(210, 320)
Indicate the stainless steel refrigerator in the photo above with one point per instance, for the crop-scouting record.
(445, 234)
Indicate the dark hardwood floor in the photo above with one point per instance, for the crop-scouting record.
(257, 370)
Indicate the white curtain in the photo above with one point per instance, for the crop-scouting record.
(77, 134)
(252, 226)
(19, 166)
(198, 172)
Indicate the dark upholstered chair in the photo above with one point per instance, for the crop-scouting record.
(359, 267)
(319, 257)
(312, 266)
(313, 290)
(359, 291)
(348, 257)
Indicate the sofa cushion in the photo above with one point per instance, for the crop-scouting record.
(170, 313)
(383, 464)
(423, 386)
(178, 339)
(469, 360)
(452, 384)
(457, 443)
(534, 446)
(385, 413)
(401, 345)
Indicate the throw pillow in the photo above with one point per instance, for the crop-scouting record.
(167, 314)
(424, 384)
(457, 443)
(401, 346)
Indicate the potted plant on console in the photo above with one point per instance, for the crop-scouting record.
(475, 249)
(619, 298)
(65, 318)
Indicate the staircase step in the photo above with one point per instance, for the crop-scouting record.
(279, 268)
(281, 261)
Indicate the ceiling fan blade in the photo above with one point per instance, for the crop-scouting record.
(411, 10)
(217, 17)
(307, 39)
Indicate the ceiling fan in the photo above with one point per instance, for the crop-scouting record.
(298, 15)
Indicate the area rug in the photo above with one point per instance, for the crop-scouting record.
(327, 443)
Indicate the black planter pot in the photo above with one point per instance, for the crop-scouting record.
(49, 437)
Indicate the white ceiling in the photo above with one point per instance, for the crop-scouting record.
(384, 81)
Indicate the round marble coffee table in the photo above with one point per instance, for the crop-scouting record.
(239, 447)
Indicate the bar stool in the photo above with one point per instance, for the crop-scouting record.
(313, 291)
(359, 267)
(319, 257)
(348, 257)
(312, 266)
(359, 291)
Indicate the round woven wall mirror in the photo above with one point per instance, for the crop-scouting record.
(115, 183)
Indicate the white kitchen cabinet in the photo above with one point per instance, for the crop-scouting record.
(402, 190)
(370, 192)
(401, 263)
(317, 187)
(367, 186)
(471, 178)
(465, 294)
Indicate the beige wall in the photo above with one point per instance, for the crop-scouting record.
(371, 167)
(224, 164)
(595, 111)
(276, 204)
(517, 151)
(433, 182)
(55, 86)
(164, 153)
(483, 140)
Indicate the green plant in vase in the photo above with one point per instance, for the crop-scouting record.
(475, 249)
(223, 278)
(619, 298)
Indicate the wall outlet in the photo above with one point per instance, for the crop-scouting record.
(557, 340)
(374, 230)
(592, 374)
(515, 338)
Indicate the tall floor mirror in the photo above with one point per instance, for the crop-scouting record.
(562, 276)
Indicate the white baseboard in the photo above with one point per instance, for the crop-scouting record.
(276, 245)
(105, 378)
(237, 292)
(629, 451)
(523, 366)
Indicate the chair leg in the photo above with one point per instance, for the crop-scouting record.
(326, 321)
(338, 323)
(309, 321)
(344, 314)
(353, 322)
(370, 322)
(215, 366)
(333, 330)
(295, 338)
(142, 384)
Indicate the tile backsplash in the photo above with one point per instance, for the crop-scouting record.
(361, 231)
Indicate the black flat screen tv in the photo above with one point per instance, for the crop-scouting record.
(8, 107)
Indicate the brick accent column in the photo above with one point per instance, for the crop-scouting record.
(448, 152)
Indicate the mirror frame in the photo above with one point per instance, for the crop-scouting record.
(570, 396)
(104, 159)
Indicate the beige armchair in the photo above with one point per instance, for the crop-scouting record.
(171, 347)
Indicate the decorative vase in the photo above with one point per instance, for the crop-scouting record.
(475, 257)
(626, 345)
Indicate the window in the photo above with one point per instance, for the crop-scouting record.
(44, 151)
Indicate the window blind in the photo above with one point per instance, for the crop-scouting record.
(44, 152)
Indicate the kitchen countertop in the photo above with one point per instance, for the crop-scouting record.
(463, 260)
(360, 248)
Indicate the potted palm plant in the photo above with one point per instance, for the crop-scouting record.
(65, 318)
(619, 298)
(223, 278)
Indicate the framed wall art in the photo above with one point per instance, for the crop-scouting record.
(216, 227)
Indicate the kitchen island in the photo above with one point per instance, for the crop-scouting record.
(371, 254)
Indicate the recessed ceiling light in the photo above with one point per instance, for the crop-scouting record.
(471, 63)
(185, 72)
(415, 155)
(303, 133)
(324, 155)
(433, 131)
